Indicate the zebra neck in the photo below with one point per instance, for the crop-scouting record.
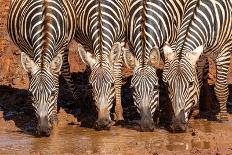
(143, 27)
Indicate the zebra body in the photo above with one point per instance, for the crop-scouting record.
(100, 32)
(205, 31)
(42, 29)
(151, 24)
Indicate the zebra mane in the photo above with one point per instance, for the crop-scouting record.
(45, 28)
(188, 28)
(100, 31)
(143, 26)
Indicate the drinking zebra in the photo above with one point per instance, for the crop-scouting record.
(151, 24)
(42, 29)
(206, 30)
(100, 34)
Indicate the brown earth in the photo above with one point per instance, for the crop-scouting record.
(17, 121)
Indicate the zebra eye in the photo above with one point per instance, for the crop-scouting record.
(190, 84)
(53, 93)
(156, 86)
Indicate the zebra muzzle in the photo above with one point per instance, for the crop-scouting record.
(147, 123)
(103, 124)
(178, 122)
(43, 127)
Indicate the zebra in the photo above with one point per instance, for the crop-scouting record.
(42, 29)
(151, 23)
(205, 31)
(101, 34)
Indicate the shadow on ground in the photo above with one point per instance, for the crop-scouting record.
(13, 103)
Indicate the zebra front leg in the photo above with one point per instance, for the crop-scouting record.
(205, 101)
(118, 82)
(221, 85)
(202, 70)
(118, 105)
(65, 71)
(54, 118)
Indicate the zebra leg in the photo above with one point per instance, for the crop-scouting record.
(65, 71)
(118, 86)
(202, 73)
(202, 70)
(54, 117)
(118, 105)
(221, 86)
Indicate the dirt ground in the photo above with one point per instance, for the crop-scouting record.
(74, 133)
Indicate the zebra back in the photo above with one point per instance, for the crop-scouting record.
(100, 25)
(40, 28)
(206, 22)
(151, 24)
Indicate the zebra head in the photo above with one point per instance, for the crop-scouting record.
(145, 86)
(181, 79)
(43, 88)
(102, 80)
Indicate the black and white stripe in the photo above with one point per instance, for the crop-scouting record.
(206, 30)
(42, 30)
(151, 24)
(100, 32)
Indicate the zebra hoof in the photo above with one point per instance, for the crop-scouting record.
(222, 117)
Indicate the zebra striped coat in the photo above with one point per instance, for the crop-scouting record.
(151, 24)
(100, 32)
(206, 30)
(42, 30)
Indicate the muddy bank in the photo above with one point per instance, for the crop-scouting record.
(203, 137)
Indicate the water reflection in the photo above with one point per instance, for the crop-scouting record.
(75, 139)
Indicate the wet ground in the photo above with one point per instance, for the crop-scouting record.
(203, 137)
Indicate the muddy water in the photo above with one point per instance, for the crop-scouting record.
(78, 140)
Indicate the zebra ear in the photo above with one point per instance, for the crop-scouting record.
(168, 52)
(86, 57)
(194, 55)
(155, 57)
(56, 64)
(129, 59)
(28, 64)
